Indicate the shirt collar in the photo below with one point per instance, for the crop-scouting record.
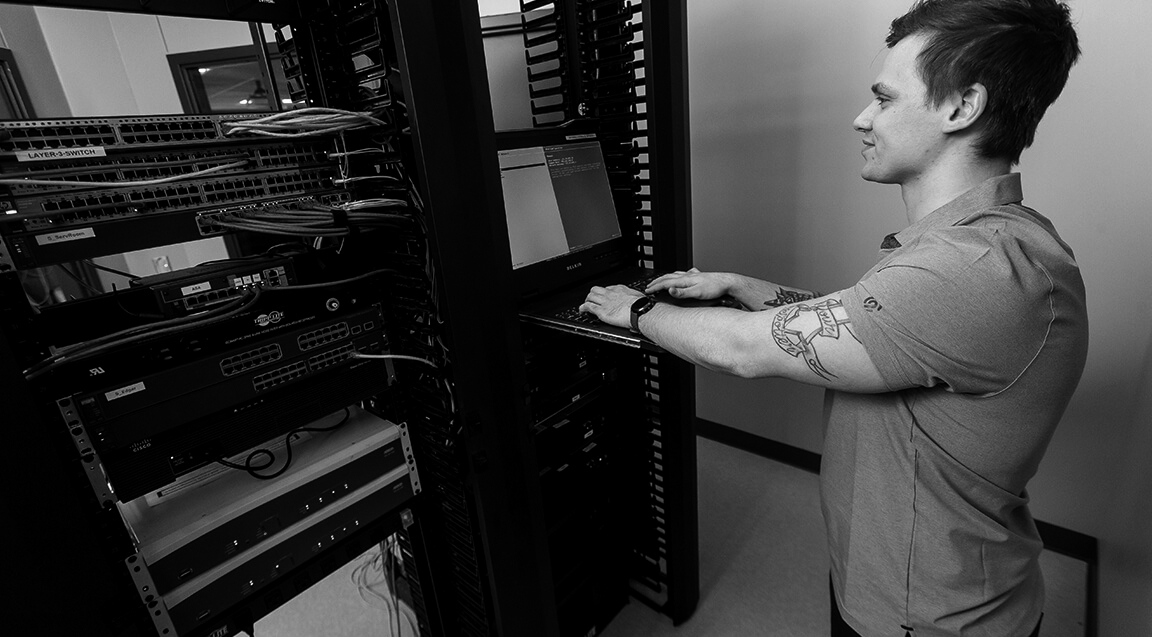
(996, 191)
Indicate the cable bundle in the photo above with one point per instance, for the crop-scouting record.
(379, 571)
(88, 349)
(245, 301)
(302, 122)
(313, 219)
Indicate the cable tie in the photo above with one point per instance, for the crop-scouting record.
(340, 220)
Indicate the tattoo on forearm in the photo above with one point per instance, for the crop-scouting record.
(795, 329)
(785, 297)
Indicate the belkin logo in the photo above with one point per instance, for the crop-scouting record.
(264, 320)
(574, 266)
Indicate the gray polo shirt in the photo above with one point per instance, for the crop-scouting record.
(975, 318)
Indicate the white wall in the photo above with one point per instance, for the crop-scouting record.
(776, 193)
(498, 7)
(21, 33)
(88, 61)
(116, 63)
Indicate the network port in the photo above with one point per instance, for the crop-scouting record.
(280, 376)
(323, 336)
(250, 360)
(331, 357)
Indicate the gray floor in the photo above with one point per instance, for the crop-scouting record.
(763, 560)
(763, 569)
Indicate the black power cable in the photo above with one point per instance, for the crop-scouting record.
(252, 468)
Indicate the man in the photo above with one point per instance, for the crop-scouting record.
(951, 361)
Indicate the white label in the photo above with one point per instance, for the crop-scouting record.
(196, 289)
(123, 391)
(67, 235)
(67, 153)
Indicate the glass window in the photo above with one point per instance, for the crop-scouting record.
(228, 80)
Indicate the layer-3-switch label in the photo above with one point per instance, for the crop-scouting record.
(54, 154)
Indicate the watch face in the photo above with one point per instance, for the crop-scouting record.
(639, 307)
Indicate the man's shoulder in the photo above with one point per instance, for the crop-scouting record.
(1006, 231)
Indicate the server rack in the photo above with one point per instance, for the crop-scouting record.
(645, 111)
(146, 390)
(484, 523)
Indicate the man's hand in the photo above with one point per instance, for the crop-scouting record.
(612, 304)
(693, 284)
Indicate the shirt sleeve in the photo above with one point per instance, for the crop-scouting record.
(963, 307)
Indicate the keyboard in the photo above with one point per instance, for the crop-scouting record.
(642, 284)
(576, 316)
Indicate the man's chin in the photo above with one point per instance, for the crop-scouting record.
(874, 176)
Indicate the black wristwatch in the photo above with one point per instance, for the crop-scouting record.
(641, 306)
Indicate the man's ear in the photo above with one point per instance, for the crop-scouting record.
(966, 108)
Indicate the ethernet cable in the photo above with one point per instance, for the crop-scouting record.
(303, 122)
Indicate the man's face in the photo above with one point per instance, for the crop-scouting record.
(902, 132)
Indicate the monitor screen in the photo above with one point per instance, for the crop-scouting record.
(557, 199)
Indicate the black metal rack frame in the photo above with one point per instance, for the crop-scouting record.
(481, 522)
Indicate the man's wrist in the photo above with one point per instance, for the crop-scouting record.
(640, 307)
(733, 284)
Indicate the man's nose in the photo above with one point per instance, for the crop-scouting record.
(863, 121)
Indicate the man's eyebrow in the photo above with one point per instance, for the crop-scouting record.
(880, 88)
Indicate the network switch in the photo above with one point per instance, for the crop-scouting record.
(278, 310)
(128, 412)
(201, 287)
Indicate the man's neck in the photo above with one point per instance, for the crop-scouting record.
(930, 191)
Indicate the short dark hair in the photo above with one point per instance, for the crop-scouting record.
(1020, 50)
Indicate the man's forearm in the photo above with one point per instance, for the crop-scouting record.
(810, 341)
(697, 335)
(757, 295)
